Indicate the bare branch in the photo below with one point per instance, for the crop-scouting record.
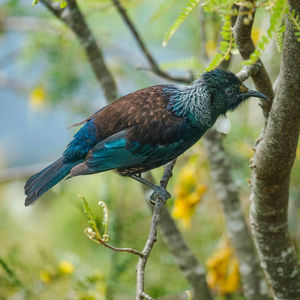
(242, 35)
(184, 257)
(154, 66)
(73, 17)
(97, 239)
(253, 281)
(158, 208)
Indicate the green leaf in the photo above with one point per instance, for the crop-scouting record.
(181, 18)
(105, 221)
(63, 4)
(88, 212)
(277, 11)
(296, 22)
(35, 2)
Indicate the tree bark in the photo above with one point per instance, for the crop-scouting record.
(252, 278)
(272, 164)
(245, 45)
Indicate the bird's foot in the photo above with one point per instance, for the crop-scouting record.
(159, 192)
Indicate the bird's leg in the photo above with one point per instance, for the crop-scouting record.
(157, 190)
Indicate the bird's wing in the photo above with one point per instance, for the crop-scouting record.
(143, 109)
(130, 152)
(87, 119)
(112, 153)
(135, 109)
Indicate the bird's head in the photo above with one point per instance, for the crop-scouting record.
(226, 90)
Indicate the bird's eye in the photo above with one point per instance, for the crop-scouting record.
(228, 91)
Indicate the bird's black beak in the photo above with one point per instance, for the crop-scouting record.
(252, 93)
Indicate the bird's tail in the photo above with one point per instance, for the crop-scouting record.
(44, 180)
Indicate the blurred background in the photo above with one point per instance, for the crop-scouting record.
(46, 84)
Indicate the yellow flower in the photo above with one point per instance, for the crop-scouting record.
(187, 180)
(188, 192)
(37, 98)
(65, 267)
(223, 270)
(45, 276)
(255, 34)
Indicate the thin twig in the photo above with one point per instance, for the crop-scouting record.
(128, 250)
(154, 66)
(167, 174)
(158, 208)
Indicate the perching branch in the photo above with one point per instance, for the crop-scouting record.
(153, 64)
(158, 208)
(72, 16)
(187, 262)
(270, 180)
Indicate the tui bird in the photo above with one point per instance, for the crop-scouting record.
(144, 130)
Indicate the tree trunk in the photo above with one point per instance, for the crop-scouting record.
(272, 163)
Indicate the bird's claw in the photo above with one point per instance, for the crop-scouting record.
(161, 193)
